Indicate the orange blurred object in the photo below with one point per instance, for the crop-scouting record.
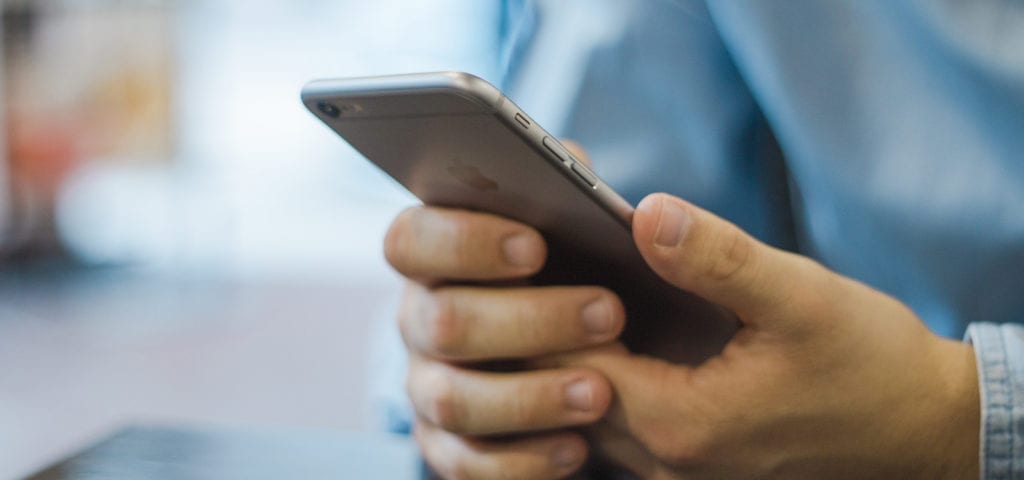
(41, 152)
(84, 82)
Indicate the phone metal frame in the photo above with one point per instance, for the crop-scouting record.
(487, 96)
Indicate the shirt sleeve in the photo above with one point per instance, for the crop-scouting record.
(999, 350)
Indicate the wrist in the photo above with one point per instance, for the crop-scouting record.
(954, 448)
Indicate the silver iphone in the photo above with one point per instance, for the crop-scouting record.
(454, 140)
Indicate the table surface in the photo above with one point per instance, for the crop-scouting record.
(165, 453)
(87, 351)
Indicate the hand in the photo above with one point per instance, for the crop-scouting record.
(456, 321)
(827, 378)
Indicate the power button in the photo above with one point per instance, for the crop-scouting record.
(585, 174)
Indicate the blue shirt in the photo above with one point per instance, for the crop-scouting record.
(883, 138)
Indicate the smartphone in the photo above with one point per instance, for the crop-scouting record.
(454, 140)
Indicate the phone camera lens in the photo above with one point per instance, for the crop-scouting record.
(328, 109)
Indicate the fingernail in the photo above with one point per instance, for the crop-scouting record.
(672, 222)
(579, 395)
(520, 250)
(596, 318)
(565, 456)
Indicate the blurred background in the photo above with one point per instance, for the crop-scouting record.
(179, 240)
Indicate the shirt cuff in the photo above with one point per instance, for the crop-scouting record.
(999, 351)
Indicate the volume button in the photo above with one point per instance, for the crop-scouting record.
(557, 149)
(585, 174)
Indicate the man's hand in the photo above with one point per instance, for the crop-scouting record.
(827, 378)
(456, 322)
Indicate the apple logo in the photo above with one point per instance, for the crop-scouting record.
(471, 176)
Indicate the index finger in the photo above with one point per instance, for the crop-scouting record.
(432, 243)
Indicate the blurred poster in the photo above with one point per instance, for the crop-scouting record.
(84, 81)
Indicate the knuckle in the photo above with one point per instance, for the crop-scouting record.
(444, 408)
(405, 316)
(434, 395)
(731, 255)
(427, 443)
(448, 462)
(395, 244)
(445, 332)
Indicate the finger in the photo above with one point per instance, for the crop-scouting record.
(648, 393)
(577, 151)
(436, 243)
(476, 323)
(699, 252)
(473, 402)
(543, 456)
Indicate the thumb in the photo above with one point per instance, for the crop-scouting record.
(712, 258)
